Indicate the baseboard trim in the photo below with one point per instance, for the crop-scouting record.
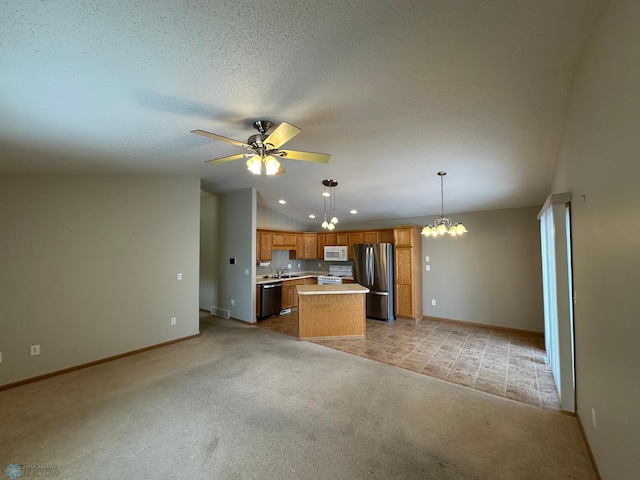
(95, 362)
(493, 327)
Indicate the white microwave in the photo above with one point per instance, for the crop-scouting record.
(335, 253)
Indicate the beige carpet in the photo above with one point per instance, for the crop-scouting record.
(241, 402)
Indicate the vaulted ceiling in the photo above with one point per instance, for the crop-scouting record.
(394, 90)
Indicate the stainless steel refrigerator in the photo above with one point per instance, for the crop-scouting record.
(373, 268)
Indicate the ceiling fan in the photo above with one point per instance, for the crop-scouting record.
(265, 149)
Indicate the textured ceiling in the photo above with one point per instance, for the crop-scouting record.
(394, 90)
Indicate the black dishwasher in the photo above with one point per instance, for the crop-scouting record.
(270, 299)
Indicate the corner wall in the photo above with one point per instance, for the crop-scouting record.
(599, 163)
(89, 268)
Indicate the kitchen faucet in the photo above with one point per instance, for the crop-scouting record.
(281, 271)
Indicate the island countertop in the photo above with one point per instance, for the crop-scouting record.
(340, 289)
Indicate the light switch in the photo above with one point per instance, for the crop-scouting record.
(426, 259)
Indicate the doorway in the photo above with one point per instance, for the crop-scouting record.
(555, 239)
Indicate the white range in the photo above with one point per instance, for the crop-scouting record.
(336, 272)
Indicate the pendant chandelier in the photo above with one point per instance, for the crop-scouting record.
(443, 224)
(331, 194)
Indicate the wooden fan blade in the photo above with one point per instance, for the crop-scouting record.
(282, 134)
(220, 137)
(306, 156)
(237, 156)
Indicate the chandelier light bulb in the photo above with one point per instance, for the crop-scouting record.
(334, 219)
(331, 226)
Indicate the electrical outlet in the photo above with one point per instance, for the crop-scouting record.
(427, 267)
(593, 418)
(0, 357)
(298, 265)
(233, 302)
(433, 303)
(173, 320)
(288, 265)
(179, 276)
(34, 350)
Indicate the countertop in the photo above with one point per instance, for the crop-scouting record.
(345, 288)
(261, 279)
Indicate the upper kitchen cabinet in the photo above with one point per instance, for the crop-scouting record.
(322, 238)
(354, 237)
(342, 239)
(371, 237)
(310, 251)
(386, 236)
(284, 241)
(408, 272)
(264, 245)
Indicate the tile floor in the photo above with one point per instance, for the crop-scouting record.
(498, 362)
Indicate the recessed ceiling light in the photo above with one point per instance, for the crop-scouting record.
(312, 216)
(282, 202)
(354, 211)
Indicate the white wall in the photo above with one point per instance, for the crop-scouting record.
(209, 250)
(237, 240)
(89, 268)
(600, 160)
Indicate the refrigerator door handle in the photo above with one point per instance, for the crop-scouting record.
(371, 266)
(379, 293)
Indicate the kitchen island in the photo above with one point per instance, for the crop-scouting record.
(331, 311)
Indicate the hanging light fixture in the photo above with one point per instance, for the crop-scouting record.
(443, 224)
(331, 194)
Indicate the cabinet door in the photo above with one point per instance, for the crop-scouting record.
(310, 246)
(404, 281)
(342, 239)
(403, 236)
(299, 246)
(321, 243)
(266, 239)
(354, 237)
(278, 239)
(290, 239)
(370, 237)
(257, 300)
(386, 236)
(330, 240)
(287, 296)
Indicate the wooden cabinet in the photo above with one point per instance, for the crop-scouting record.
(284, 241)
(408, 272)
(386, 236)
(258, 301)
(289, 293)
(330, 239)
(299, 246)
(354, 237)
(371, 237)
(322, 238)
(310, 250)
(342, 239)
(264, 245)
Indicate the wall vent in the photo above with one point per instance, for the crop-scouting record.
(220, 312)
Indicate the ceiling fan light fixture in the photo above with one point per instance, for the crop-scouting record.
(271, 165)
(254, 164)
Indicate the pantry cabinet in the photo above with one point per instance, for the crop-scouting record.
(408, 273)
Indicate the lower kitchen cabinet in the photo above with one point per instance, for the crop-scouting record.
(289, 292)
